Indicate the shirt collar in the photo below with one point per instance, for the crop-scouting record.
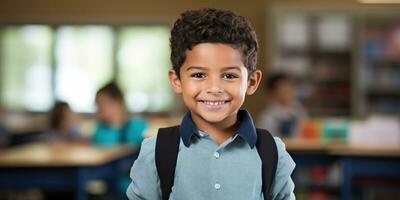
(246, 130)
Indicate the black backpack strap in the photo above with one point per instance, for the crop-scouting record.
(167, 147)
(268, 152)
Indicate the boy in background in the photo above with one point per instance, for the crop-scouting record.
(114, 127)
(284, 113)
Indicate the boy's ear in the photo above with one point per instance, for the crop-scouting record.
(175, 81)
(253, 82)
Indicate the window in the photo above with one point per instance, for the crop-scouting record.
(40, 64)
(25, 54)
(84, 63)
(143, 60)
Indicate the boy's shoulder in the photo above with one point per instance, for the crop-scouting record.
(148, 148)
(148, 145)
(280, 145)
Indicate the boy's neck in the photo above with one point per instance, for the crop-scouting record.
(219, 131)
(119, 120)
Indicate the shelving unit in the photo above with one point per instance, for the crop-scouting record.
(356, 78)
(315, 48)
(380, 45)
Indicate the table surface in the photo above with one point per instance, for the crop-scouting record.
(42, 154)
(69, 154)
(340, 148)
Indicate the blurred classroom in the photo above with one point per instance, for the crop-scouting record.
(342, 56)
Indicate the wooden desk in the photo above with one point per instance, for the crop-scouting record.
(356, 161)
(66, 166)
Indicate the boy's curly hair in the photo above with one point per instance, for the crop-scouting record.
(209, 25)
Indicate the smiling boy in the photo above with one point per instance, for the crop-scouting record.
(214, 55)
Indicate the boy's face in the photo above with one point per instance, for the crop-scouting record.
(213, 82)
(285, 92)
(107, 108)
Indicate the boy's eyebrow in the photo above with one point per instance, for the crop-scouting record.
(231, 67)
(195, 67)
(204, 68)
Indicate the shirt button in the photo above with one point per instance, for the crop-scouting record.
(217, 186)
(216, 155)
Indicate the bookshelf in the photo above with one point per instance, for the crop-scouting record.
(317, 49)
(380, 45)
(354, 72)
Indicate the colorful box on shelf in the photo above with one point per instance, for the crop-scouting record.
(326, 129)
(335, 129)
(310, 129)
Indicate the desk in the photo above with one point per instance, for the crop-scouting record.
(355, 161)
(61, 165)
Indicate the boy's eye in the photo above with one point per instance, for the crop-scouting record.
(198, 75)
(230, 76)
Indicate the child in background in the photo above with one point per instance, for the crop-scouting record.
(283, 114)
(114, 127)
(63, 124)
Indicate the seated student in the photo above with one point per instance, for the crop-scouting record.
(114, 126)
(216, 152)
(63, 124)
(284, 113)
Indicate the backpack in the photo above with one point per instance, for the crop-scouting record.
(166, 154)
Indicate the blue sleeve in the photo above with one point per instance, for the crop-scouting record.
(283, 185)
(136, 130)
(145, 181)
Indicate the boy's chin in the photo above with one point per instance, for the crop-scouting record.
(214, 117)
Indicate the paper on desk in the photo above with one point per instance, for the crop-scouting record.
(377, 131)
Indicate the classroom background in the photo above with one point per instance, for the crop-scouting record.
(344, 57)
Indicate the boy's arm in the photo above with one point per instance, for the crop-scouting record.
(145, 181)
(283, 185)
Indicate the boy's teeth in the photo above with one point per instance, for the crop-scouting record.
(214, 103)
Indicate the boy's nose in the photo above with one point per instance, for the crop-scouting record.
(214, 86)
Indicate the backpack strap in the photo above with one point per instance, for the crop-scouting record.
(166, 155)
(268, 152)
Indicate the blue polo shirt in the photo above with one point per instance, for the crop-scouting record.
(206, 170)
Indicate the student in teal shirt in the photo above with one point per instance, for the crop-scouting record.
(131, 132)
(114, 127)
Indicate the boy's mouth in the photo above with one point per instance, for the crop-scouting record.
(214, 104)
